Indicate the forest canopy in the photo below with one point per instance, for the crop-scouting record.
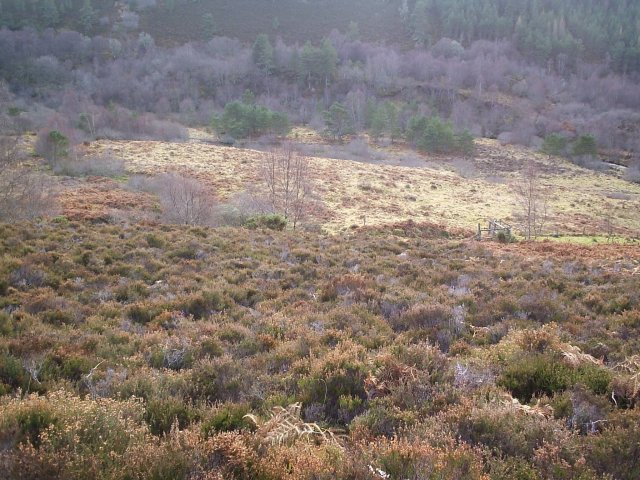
(553, 33)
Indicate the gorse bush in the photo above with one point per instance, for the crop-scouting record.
(244, 119)
(271, 221)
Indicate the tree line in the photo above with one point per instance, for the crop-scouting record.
(556, 33)
(129, 87)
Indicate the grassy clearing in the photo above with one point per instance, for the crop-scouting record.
(593, 240)
(454, 192)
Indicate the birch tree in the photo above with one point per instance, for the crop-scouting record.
(532, 200)
(286, 176)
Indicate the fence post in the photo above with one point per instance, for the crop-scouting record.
(479, 232)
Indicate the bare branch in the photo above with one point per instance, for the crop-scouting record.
(185, 200)
(286, 176)
(532, 200)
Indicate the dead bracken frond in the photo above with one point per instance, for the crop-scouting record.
(574, 357)
(383, 380)
(631, 367)
(545, 411)
(285, 426)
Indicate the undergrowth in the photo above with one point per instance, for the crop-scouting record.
(174, 352)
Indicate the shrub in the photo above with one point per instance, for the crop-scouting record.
(6, 326)
(614, 451)
(186, 252)
(33, 422)
(58, 317)
(596, 378)
(143, 313)
(102, 166)
(270, 222)
(53, 145)
(84, 438)
(12, 374)
(432, 134)
(503, 428)
(554, 144)
(204, 304)
(503, 237)
(243, 119)
(216, 380)
(154, 241)
(184, 199)
(412, 458)
(535, 375)
(383, 418)
(339, 374)
(226, 418)
(585, 145)
(210, 347)
(161, 414)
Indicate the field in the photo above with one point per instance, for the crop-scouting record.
(394, 184)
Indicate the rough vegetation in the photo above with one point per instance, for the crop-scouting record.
(159, 352)
(243, 239)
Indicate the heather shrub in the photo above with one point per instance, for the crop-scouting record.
(216, 380)
(541, 306)
(204, 304)
(340, 374)
(614, 451)
(384, 418)
(504, 428)
(413, 458)
(241, 326)
(143, 313)
(415, 377)
(12, 374)
(64, 436)
(534, 375)
(226, 418)
(596, 378)
(423, 316)
(513, 469)
(58, 317)
(154, 241)
(6, 325)
(162, 413)
(350, 287)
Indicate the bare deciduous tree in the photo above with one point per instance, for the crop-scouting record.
(185, 200)
(286, 176)
(24, 193)
(532, 199)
